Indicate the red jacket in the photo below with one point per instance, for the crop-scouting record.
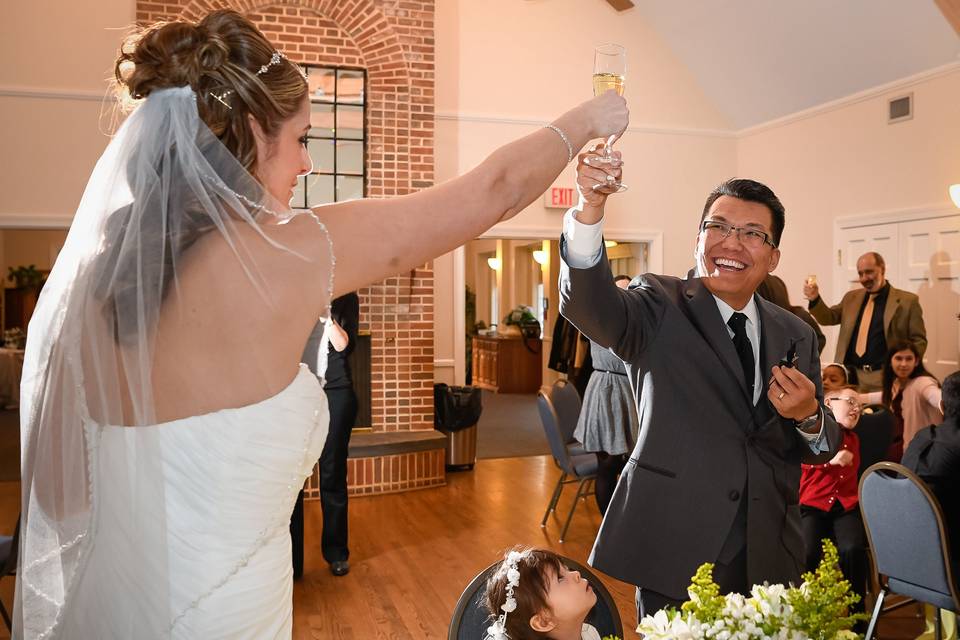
(821, 485)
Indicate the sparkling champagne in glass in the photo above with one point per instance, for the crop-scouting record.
(609, 72)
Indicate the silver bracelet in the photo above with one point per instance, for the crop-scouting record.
(565, 139)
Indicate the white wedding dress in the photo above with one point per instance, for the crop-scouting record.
(195, 543)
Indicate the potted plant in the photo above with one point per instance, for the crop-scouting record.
(25, 277)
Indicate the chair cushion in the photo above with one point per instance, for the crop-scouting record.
(584, 465)
(576, 449)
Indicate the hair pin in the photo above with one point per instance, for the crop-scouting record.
(222, 98)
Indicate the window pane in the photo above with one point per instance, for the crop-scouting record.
(299, 194)
(321, 119)
(321, 153)
(320, 82)
(349, 188)
(350, 86)
(349, 157)
(319, 190)
(350, 122)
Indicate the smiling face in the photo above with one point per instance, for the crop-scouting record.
(731, 270)
(845, 405)
(903, 363)
(282, 159)
(870, 274)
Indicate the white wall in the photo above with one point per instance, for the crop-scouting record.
(847, 161)
(506, 67)
(57, 56)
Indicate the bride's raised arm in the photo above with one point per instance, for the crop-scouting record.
(374, 239)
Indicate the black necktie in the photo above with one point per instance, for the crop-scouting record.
(738, 322)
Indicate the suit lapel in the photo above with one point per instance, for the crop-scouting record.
(851, 310)
(893, 301)
(706, 317)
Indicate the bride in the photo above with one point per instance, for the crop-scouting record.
(166, 426)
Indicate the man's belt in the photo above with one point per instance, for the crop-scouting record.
(870, 368)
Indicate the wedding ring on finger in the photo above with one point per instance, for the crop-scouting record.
(782, 393)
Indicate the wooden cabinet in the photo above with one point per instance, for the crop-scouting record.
(18, 305)
(507, 365)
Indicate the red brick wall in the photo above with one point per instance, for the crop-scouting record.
(393, 41)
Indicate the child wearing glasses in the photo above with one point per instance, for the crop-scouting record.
(829, 507)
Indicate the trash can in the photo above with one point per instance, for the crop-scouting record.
(456, 411)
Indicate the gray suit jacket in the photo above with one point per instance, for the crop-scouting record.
(703, 447)
(902, 318)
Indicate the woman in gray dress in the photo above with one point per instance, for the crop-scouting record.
(608, 421)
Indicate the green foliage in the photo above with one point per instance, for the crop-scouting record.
(705, 599)
(27, 276)
(821, 605)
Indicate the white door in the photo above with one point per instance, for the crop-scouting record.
(854, 242)
(930, 267)
(922, 256)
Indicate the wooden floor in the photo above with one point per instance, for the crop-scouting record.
(413, 553)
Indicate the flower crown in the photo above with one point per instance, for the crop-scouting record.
(498, 630)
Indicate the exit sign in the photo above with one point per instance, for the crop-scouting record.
(558, 198)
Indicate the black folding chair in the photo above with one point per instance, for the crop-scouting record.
(580, 469)
(471, 619)
(908, 540)
(567, 403)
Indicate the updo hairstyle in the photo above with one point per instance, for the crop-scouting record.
(221, 53)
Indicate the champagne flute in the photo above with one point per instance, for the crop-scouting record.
(609, 72)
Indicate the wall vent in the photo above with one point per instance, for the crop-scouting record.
(900, 108)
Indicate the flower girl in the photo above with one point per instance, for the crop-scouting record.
(532, 594)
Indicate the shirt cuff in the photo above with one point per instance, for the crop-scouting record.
(816, 441)
(584, 242)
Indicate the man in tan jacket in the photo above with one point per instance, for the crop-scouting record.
(870, 318)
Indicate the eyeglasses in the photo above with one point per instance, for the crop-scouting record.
(853, 402)
(753, 238)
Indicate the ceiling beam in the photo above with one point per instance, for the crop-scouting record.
(951, 11)
(623, 5)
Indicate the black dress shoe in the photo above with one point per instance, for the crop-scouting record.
(340, 567)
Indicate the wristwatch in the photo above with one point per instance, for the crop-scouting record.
(808, 422)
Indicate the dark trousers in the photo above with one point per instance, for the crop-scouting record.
(608, 470)
(845, 529)
(333, 484)
(730, 577)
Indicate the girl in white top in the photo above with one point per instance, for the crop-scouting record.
(533, 594)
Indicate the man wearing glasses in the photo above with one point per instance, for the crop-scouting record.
(723, 429)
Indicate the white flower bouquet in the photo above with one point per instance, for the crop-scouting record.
(816, 610)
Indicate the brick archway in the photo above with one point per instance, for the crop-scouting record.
(394, 42)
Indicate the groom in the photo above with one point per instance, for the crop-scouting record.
(723, 429)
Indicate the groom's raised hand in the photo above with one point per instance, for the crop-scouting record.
(594, 172)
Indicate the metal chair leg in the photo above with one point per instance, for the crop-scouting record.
(877, 608)
(6, 618)
(553, 500)
(576, 501)
(938, 624)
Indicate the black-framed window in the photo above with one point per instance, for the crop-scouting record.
(337, 141)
